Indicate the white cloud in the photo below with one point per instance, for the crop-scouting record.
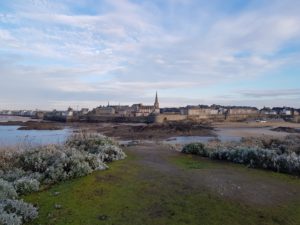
(271, 93)
(129, 49)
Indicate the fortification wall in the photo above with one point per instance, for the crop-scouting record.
(242, 117)
(297, 119)
(118, 119)
(177, 117)
(210, 117)
(169, 117)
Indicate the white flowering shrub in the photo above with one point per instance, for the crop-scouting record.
(12, 174)
(72, 164)
(23, 172)
(26, 185)
(254, 157)
(10, 218)
(57, 163)
(88, 141)
(109, 153)
(105, 148)
(40, 158)
(95, 162)
(288, 144)
(196, 149)
(288, 163)
(8, 159)
(7, 190)
(18, 208)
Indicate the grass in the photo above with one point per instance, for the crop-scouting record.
(129, 193)
(187, 161)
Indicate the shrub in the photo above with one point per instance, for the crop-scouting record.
(73, 163)
(88, 141)
(23, 172)
(26, 185)
(288, 163)
(109, 153)
(7, 190)
(252, 157)
(12, 174)
(10, 218)
(40, 158)
(196, 149)
(58, 163)
(288, 144)
(95, 162)
(8, 159)
(18, 208)
(105, 148)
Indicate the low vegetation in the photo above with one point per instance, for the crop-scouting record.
(273, 154)
(27, 171)
(132, 193)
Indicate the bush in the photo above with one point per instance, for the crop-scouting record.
(288, 144)
(8, 159)
(12, 174)
(252, 157)
(7, 190)
(109, 153)
(105, 148)
(26, 185)
(71, 164)
(196, 149)
(88, 141)
(10, 218)
(23, 172)
(95, 162)
(40, 158)
(18, 209)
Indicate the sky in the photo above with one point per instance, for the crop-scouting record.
(84, 53)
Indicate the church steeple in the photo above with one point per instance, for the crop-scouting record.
(156, 103)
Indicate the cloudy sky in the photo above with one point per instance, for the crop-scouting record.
(83, 53)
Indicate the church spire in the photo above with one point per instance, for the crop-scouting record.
(156, 103)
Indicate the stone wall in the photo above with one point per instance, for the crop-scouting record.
(242, 117)
(120, 119)
(196, 118)
(297, 119)
(169, 117)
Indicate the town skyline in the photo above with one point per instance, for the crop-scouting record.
(156, 103)
(55, 54)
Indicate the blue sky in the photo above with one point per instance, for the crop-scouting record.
(60, 53)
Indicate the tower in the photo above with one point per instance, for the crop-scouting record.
(156, 103)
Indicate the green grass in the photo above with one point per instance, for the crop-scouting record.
(129, 193)
(187, 161)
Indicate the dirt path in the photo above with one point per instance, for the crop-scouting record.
(234, 182)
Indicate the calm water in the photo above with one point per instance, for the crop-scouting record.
(14, 118)
(10, 135)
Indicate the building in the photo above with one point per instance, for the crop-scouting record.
(136, 110)
(242, 111)
(267, 111)
(105, 111)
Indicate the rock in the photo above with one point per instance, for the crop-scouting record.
(57, 206)
(103, 217)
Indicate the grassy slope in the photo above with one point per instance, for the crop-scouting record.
(121, 196)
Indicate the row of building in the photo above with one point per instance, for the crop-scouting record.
(230, 110)
(140, 111)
